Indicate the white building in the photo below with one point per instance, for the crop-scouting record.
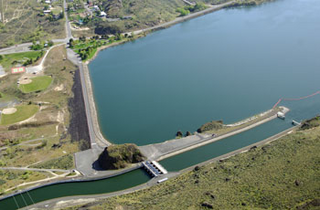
(103, 14)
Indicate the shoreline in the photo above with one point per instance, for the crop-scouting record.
(87, 78)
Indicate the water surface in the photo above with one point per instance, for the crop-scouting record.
(227, 65)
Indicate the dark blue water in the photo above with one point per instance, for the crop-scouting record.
(227, 65)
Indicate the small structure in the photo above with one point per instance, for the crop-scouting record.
(295, 122)
(48, 11)
(129, 17)
(281, 115)
(47, 1)
(103, 14)
(96, 8)
(154, 168)
(17, 70)
(162, 180)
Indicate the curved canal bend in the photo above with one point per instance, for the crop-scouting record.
(292, 28)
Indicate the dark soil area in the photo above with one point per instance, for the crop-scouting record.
(78, 128)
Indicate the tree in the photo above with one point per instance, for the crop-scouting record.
(104, 36)
(118, 36)
(179, 134)
(50, 43)
(182, 11)
(82, 38)
(62, 15)
(71, 43)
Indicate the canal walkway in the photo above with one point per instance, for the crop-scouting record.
(173, 147)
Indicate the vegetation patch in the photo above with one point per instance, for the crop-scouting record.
(65, 162)
(23, 112)
(87, 48)
(5, 97)
(11, 179)
(37, 84)
(119, 156)
(191, 8)
(16, 59)
(213, 125)
(311, 123)
(25, 21)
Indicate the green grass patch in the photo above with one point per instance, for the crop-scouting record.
(10, 60)
(5, 97)
(64, 162)
(23, 112)
(56, 10)
(37, 84)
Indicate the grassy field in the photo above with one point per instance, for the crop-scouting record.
(10, 179)
(11, 60)
(64, 162)
(37, 84)
(23, 112)
(284, 174)
(4, 97)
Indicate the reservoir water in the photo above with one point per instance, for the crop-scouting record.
(227, 65)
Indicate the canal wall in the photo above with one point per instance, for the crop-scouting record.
(173, 147)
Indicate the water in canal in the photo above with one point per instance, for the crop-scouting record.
(116, 183)
(227, 65)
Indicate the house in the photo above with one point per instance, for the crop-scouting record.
(80, 22)
(127, 17)
(96, 8)
(56, 16)
(90, 3)
(103, 14)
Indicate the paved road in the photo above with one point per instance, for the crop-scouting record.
(23, 143)
(34, 169)
(2, 72)
(67, 24)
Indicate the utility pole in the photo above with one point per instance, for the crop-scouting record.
(2, 12)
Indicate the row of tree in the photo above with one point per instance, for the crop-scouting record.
(191, 8)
